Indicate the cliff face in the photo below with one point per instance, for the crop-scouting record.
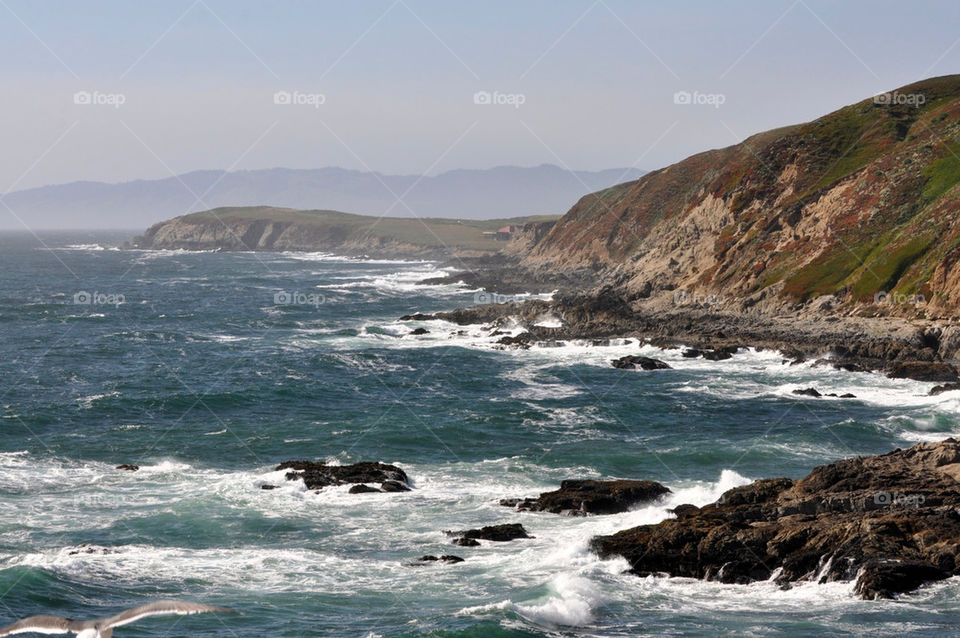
(861, 204)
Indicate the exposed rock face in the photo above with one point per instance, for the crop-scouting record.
(892, 521)
(318, 475)
(126, 467)
(924, 371)
(581, 497)
(496, 533)
(856, 208)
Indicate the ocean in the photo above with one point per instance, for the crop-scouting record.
(208, 369)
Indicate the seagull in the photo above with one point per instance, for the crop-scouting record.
(103, 628)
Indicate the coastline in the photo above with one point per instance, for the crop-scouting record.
(919, 349)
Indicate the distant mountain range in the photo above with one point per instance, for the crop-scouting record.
(501, 192)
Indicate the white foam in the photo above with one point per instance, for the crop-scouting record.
(88, 401)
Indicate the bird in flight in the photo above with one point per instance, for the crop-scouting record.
(103, 628)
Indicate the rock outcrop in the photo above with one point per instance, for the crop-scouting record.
(494, 533)
(579, 497)
(318, 475)
(892, 522)
(632, 361)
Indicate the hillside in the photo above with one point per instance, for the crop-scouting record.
(862, 204)
(504, 191)
(272, 228)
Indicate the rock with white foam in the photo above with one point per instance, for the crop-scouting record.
(891, 521)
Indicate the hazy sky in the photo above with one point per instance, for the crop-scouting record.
(185, 85)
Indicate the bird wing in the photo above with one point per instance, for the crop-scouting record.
(161, 608)
(38, 625)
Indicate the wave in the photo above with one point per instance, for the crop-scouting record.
(331, 257)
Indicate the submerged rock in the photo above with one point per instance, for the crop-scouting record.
(813, 392)
(587, 496)
(891, 521)
(496, 533)
(318, 475)
(466, 542)
(446, 558)
(632, 361)
(363, 489)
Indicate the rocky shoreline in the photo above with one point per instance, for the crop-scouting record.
(919, 349)
(890, 523)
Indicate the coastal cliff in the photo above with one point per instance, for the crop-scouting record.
(860, 205)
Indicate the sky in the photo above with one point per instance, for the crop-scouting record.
(118, 91)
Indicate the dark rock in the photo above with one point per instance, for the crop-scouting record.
(394, 486)
(632, 361)
(884, 578)
(893, 518)
(496, 533)
(363, 489)
(685, 510)
(946, 387)
(267, 486)
(808, 392)
(419, 331)
(318, 475)
(692, 353)
(128, 468)
(417, 317)
(719, 354)
(924, 371)
(446, 558)
(523, 340)
(580, 497)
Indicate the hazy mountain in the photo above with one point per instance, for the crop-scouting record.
(505, 191)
